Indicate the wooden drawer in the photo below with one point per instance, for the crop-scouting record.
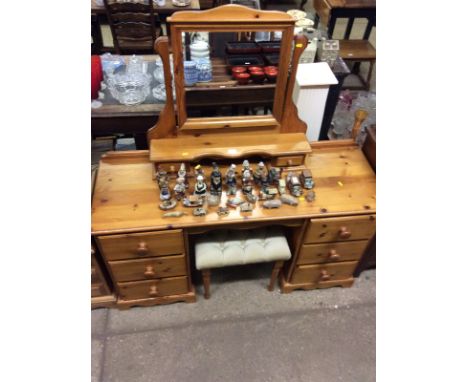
(153, 288)
(98, 290)
(95, 277)
(139, 245)
(340, 229)
(331, 252)
(166, 266)
(288, 161)
(313, 274)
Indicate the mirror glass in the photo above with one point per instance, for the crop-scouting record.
(230, 73)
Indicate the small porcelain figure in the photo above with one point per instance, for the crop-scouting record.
(294, 184)
(245, 167)
(274, 176)
(199, 171)
(200, 186)
(216, 181)
(306, 179)
(247, 182)
(260, 173)
(179, 188)
(231, 182)
(167, 204)
(281, 186)
(182, 173)
(199, 211)
(161, 176)
(165, 194)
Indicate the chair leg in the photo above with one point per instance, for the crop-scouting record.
(206, 282)
(369, 75)
(274, 274)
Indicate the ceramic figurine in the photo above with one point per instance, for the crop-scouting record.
(179, 188)
(222, 211)
(272, 204)
(245, 167)
(247, 182)
(294, 184)
(231, 182)
(199, 171)
(199, 211)
(216, 181)
(213, 200)
(260, 173)
(306, 179)
(246, 207)
(288, 199)
(310, 196)
(165, 194)
(274, 175)
(282, 186)
(182, 173)
(268, 193)
(200, 186)
(233, 202)
(167, 204)
(174, 214)
(161, 176)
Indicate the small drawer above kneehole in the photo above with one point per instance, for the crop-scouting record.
(140, 245)
(331, 252)
(153, 288)
(315, 274)
(296, 160)
(152, 268)
(340, 229)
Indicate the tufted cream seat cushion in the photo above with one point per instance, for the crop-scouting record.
(236, 247)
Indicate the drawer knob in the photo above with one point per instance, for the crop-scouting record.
(333, 255)
(344, 233)
(324, 275)
(153, 292)
(142, 248)
(289, 162)
(149, 272)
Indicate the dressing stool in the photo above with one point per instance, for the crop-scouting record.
(225, 248)
(359, 51)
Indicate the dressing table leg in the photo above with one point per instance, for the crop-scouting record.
(206, 282)
(274, 274)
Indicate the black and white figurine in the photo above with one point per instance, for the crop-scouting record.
(216, 181)
(231, 181)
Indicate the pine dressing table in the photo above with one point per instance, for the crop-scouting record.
(149, 256)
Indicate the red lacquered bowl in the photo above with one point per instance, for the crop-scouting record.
(255, 69)
(271, 76)
(242, 78)
(270, 68)
(257, 77)
(237, 69)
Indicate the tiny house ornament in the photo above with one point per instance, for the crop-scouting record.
(179, 188)
(231, 182)
(216, 181)
(306, 179)
(200, 186)
(294, 184)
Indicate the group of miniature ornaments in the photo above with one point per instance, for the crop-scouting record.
(270, 183)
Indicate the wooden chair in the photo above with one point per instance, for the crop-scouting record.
(133, 26)
(359, 51)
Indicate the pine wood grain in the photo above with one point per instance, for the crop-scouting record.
(331, 252)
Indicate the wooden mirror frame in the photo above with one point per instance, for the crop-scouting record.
(231, 18)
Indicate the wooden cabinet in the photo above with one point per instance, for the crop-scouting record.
(148, 268)
(329, 253)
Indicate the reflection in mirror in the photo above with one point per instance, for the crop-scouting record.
(230, 73)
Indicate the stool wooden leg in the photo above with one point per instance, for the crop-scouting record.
(206, 282)
(274, 274)
(369, 75)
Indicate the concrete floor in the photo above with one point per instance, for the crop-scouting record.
(243, 333)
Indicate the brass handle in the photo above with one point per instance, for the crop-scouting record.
(333, 255)
(142, 249)
(149, 272)
(289, 162)
(92, 250)
(153, 292)
(344, 233)
(324, 275)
